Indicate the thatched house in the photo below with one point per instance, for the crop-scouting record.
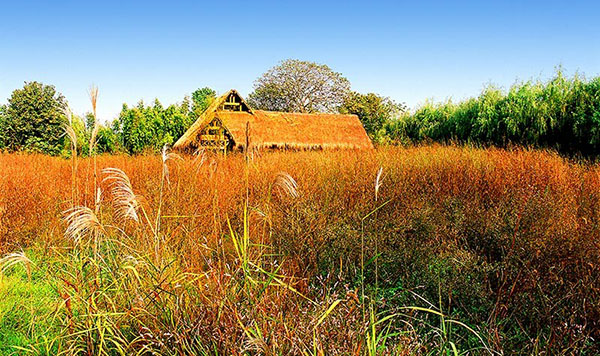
(229, 124)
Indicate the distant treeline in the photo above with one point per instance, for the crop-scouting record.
(37, 119)
(562, 113)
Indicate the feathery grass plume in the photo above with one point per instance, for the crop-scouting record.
(83, 222)
(255, 153)
(199, 157)
(14, 258)
(255, 341)
(167, 156)
(93, 93)
(98, 200)
(213, 166)
(125, 201)
(378, 182)
(94, 136)
(69, 131)
(68, 114)
(287, 185)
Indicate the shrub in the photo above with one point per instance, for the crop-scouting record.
(561, 113)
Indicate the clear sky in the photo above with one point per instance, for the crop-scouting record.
(409, 51)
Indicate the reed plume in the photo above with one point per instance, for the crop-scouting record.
(125, 201)
(82, 223)
(93, 93)
(70, 133)
(286, 184)
(167, 155)
(14, 258)
(378, 182)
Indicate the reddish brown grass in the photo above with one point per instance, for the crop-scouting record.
(506, 240)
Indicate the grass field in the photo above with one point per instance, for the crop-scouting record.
(397, 251)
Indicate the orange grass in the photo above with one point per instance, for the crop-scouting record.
(505, 240)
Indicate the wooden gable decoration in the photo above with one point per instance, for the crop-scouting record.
(214, 136)
(233, 102)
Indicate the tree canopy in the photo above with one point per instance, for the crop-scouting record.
(373, 110)
(201, 99)
(299, 86)
(150, 127)
(562, 113)
(34, 118)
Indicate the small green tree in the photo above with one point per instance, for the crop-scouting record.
(89, 121)
(107, 141)
(34, 119)
(201, 99)
(373, 110)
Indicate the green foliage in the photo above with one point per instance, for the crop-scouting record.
(562, 113)
(34, 119)
(107, 140)
(299, 86)
(201, 99)
(150, 127)
(83, 133)
(89, 121)
(3, 138)
(27, 312)
(373, 111)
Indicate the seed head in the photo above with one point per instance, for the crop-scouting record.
(83, 223)
(124, 199)
(378, 182)
(287, 184)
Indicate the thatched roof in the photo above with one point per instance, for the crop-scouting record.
(268, 129)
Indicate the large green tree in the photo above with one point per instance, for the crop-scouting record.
(34, 119)
(373, 110)
(299, 86)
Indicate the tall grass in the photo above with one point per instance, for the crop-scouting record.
(70, 133)
(463, 251)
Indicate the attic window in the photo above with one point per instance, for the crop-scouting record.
(232, 103)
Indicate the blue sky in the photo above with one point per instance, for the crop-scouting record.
(409, 51)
